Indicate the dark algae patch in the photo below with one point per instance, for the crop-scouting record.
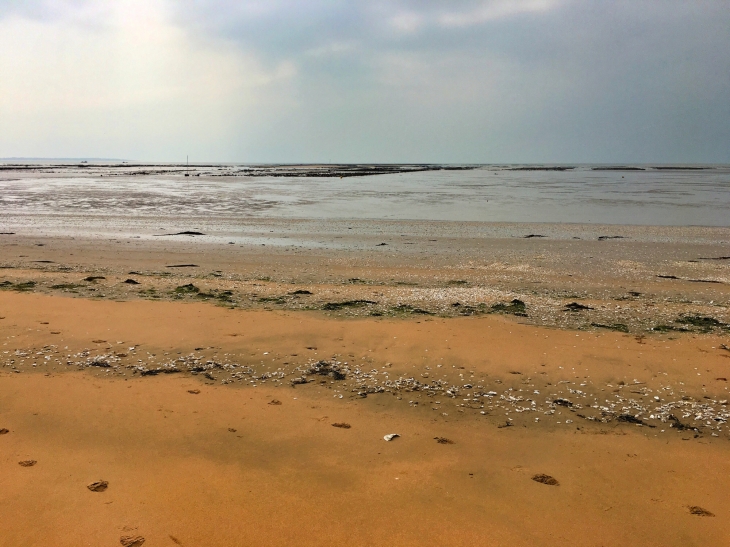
(704, 323)
(619, 327)
(187, 289)
(629, 419)
(406, 309)
(515, 307)
(575, 306)
(679, 426)
(334, 306)
(669, 328)
(21, 287)
(465, 309)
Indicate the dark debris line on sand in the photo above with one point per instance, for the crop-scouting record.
(635, 404)
(620, 310)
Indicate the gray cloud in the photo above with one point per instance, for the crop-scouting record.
(464, 80)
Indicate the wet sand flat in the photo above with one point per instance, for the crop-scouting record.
(252, 457)
(640, 279)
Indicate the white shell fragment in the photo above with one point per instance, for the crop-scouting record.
(391, 436)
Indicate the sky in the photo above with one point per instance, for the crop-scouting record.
(458, 81)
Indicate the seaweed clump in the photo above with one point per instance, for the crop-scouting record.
(515, 307)
(20, 287)
(620, 327)
(334, 306)
(704, 323)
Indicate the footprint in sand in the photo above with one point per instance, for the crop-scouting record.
(342, 425)
(4, 431)
(27, 463)
(194, 391)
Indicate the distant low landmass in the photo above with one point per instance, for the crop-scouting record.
(61, 159)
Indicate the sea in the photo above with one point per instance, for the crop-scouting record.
(585, 194)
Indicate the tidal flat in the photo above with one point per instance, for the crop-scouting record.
(188, 380)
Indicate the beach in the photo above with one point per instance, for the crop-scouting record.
(192, 458)
(214, 380)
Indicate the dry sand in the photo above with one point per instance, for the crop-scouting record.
(225, 466)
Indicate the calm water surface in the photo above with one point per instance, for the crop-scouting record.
(651, 197)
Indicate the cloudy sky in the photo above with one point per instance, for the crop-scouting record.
(376, 80)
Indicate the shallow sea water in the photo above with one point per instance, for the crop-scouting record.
(486, 194)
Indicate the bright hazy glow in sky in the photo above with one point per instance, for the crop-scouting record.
(468, 81)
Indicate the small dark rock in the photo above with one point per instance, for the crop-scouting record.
(98, 486)
(131, 541)
(545, 479)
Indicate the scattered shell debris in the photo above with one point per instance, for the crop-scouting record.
(512, 400)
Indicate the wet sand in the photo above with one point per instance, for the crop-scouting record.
(225, 466)
(626, 278)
